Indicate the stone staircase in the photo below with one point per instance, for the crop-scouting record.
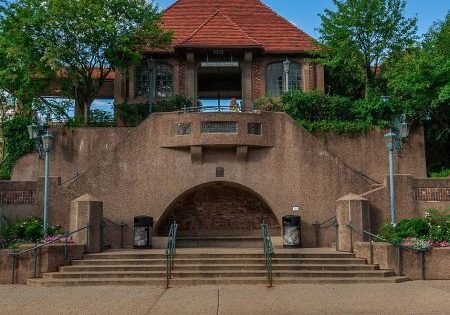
(217, 266)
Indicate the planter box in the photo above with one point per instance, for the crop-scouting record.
(437, 260)
(49, 259)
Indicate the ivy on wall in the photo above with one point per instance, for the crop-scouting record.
(17, 143)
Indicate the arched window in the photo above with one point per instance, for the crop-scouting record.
(159, 75)
(275, 78)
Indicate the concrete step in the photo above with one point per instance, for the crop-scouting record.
(110, 268)
(120, 255)
(218, 261)
(206, 281)
(218, 274)
(219, 242)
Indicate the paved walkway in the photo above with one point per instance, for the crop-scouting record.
(415, 297)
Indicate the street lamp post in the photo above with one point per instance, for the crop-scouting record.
(47, 141)
(286, 67)
(393, 143)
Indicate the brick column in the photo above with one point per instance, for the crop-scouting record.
(191, 77)
(352, 209)
(247, 80)
(84, 211)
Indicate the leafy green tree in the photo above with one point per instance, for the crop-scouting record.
(83, 41)
(361, 34)
(420, 81)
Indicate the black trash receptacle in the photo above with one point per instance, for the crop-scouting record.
(292, 231)
(143, 229)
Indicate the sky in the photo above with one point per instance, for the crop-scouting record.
(304, 13)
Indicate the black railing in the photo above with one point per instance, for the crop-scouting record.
(268, 252)
(71, 179)
(216, 108)
(15, 255)
(170, 251)
(398, 245)
(104, 224)
(331, 222)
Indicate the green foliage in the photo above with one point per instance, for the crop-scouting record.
(131, 115)
(442, 173)
(434, 227)
(322, 113)
(420, 81)
(268, 104)
(30, 229)
(172, 104)
(361, 34)
(17, 143)
(101, 118)
(80, 40)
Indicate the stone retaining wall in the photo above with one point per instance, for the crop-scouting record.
(50, 258)
(437, 260)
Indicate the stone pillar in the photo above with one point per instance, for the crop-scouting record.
(320, 81)
(352, 209)
(247, 80)
(306, 76)
(191, 77)
(119, 95)
(84, 211)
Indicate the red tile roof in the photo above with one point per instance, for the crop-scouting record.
(231, 24)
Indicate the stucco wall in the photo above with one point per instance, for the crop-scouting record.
(74, 150)
(367, 153)
(142, 176)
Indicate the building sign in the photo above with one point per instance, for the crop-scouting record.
(220, 64)
(219, 127)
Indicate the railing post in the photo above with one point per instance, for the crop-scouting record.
(35, 261)
(370, 250)
(66, 249)
(102, 231)
(399, 259)
(121, 234)
(422, 265)
(317, 227)
(336, 232)
(13, 280)
(351, 237)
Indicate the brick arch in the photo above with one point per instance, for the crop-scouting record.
(218, 209)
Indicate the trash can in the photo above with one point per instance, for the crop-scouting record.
(292, 231)
(143, 229)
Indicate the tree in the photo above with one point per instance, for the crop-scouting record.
(365, 33)
(420, 81)
(82, 41)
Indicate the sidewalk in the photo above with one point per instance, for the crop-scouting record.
(414, 297)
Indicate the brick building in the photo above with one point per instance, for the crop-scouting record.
(223, 50)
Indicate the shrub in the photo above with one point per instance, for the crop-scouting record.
(268, 104)
(412, 228)
(30, 229)
(101, 118)
(172, 104)
(131, 114)
(17, 143)
(442, 173)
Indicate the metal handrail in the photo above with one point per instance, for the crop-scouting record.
(212, 109)
(71, 179)
(170, 250)
(398, 245)
(268, 252)
(326, 224)
(15, 255)
(104, 224)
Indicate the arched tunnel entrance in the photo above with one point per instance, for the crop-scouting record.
(218, 209)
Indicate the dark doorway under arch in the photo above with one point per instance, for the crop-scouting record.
(218, 209)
